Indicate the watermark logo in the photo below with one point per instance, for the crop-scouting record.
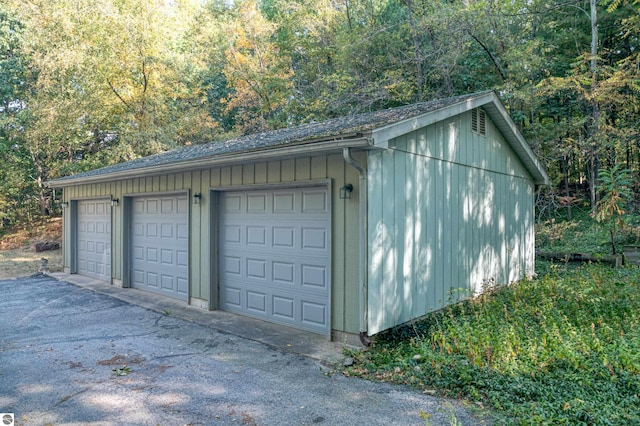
(7, 419)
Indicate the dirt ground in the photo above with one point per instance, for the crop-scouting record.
(18, 256)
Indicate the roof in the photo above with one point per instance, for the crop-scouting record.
(367, 130)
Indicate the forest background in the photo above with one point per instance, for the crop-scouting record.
(88, 83)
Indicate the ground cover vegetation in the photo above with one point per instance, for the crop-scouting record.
(563, 348)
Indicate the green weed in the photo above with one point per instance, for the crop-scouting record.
(122, 371)
(562, 349)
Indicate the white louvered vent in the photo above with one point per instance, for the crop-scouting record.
(479, 121)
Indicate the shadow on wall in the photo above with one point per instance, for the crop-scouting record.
(444, 224)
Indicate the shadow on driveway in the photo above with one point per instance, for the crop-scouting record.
(78, 355)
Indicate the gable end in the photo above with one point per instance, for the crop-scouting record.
(479, 121)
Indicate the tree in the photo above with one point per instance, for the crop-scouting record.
(258, 74)
(616, 193)
(17, 188)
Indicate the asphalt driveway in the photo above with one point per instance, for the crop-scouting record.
(72, 355)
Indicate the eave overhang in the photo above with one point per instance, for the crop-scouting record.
(285, 151)
(367, 131)
(490, 102)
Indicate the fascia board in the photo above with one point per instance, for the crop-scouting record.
(283, 152)
(503, 120)
(496, 111)
(383, 135)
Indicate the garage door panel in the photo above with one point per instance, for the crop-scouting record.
(138, 277)
(283, 237)
(283, 307)
(231, 234)
(182, 231)
(167, 230)
(231, 204)
(283, 272)
(167, 257)
(313, 313)
(168, 205)
(257, 236)
(256, 203)
(256, 269)
(233, 296)
(314, 276)
(284, 203)
(314, 238)
(257, 302)
(138, 206)
(152, 206)
(314, 202)
(151, 279)
(274, 256)
(93, 245)
(231, 265)
(182, 258)
(160, 245)
(183, 286)
(168, 282)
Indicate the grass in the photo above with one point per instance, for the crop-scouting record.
(561, 349)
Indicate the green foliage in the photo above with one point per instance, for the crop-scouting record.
(116, 80)
(583, 234)
(616, 187)
(563, 349)
(122, 371)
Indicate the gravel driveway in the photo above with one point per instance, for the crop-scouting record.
(69, 355)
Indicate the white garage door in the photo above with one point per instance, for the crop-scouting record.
(94, 239)
(160, 245)
(274, 253)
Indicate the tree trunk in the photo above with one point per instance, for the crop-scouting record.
(595, 107)
(567, 194)
(416, 51)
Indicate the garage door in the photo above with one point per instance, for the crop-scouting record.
(94, 239)
(160, 245)
(274, 253)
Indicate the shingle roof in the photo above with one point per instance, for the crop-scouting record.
(377, 127)
(351, 125)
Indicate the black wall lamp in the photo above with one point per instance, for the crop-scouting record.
(345, 191)
(196, 198)
(115, 202)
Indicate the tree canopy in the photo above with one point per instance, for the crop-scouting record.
(88, 83)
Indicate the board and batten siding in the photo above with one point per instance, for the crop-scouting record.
(344, 221)
(450, 212)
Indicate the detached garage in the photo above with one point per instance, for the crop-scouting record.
(345, 227)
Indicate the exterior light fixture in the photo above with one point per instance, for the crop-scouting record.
(196, 198)
(345, 191)
(115, 202)
(64, 204)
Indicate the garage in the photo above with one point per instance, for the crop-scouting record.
(274, 255)
(345, 227)
(94, 239)
(160, 245)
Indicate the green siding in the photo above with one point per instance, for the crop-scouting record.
(450, 212)
(345, 220)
